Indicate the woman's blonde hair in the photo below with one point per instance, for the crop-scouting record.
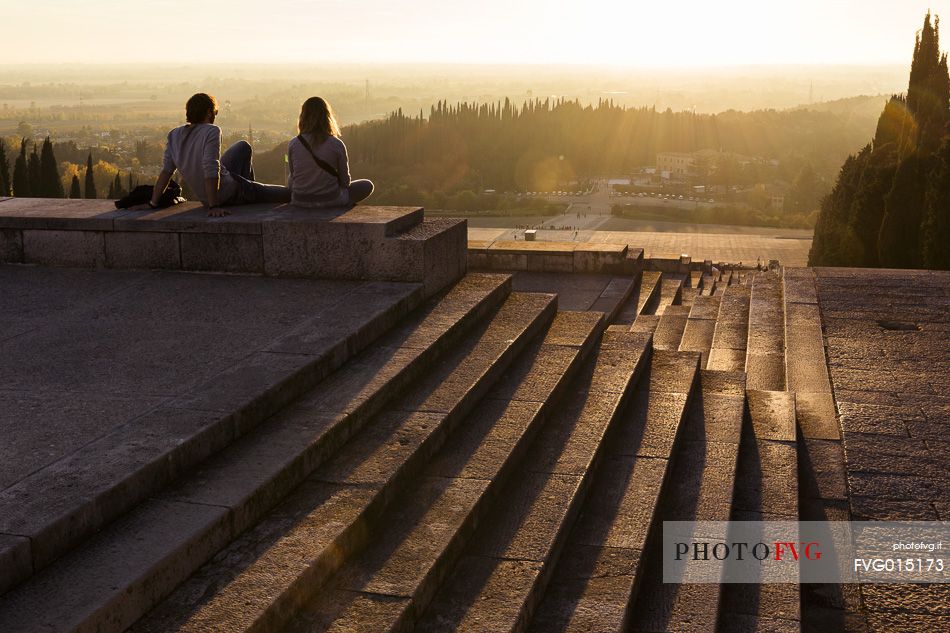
(316, 118)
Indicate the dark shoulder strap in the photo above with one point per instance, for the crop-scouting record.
(327, 167)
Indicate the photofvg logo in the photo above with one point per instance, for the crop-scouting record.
(804, 551)
(741, 550)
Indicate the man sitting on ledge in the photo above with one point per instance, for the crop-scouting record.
(218, 180)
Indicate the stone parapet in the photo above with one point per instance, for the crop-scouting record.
(554, 257)
(363, 243)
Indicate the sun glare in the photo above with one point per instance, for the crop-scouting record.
(620, 32)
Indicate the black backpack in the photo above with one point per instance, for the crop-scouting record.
(143, 194)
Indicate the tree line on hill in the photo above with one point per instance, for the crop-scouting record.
(545, 144)
(36, 174)
(890, 206)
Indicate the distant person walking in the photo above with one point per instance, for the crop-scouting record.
(319, 167)
(217, 179)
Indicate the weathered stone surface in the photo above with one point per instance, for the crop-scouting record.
(15, 560)
(57, 505)
(484, 594)
(697, 337)
(822, 472)
(646, 323)
(772, 414)
(491, 434)
(142, 250)
(729, 360)
(655, 424)
(768, 472)
(532, 518)
(766, 371)
(714, 417)
(591, 604)
(101, 586)
(339, 610)
(612, 299)
(618, 512)
(571, 328)
(11, 246)
(670, 291)
(424, 525)
(84, 249)
(57, 213)
(649, 289)
(669, 330)
(222, 252)
(815, 414)
(303, 540)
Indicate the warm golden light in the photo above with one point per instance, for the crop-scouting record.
(623, 32)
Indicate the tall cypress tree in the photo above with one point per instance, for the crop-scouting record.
(5, 183)
(35, 173)
(898, 207)
(75, 192)
(90, 181)
(21, 174)
(51, 185)
(935, 230)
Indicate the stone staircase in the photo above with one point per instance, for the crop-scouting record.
(468, 458)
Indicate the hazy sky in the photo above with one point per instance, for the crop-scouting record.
(623, 32)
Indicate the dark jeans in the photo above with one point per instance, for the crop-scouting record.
(359, 190)
(237, 160)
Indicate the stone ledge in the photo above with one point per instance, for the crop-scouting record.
(561, 257)
(363, 243)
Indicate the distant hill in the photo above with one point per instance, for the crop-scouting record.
(860, 107)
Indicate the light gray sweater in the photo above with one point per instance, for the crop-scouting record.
(197, 156)
(310, 184)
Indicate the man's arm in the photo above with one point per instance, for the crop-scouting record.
(211, 163)
(160, 185)
(211, 194)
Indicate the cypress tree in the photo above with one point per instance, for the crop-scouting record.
(899, 240)
(117, 190)
(21, 174)
(889, 205)
(5, 183)
(51, 185)
(75, 192)
(35, 174)
(90, 181)
(935, 229)
(111, 195)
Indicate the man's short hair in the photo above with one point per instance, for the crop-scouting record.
(197, 107)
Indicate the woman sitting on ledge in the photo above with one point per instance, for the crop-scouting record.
(319, 169)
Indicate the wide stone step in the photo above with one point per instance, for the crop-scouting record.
(700, 488)
(55, 507)
(671, 289)
(645, 291)
(601, 567)
(766, 490)
(669, 330)
(206, 509)
(688, 295)
(383, 587)
(700, 327)
(765, 358)
(728, 351)
(501, 576)
(270, 571)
